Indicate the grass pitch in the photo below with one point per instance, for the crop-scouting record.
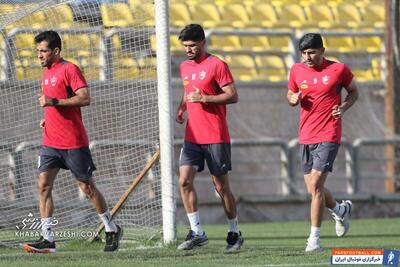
(266, 244)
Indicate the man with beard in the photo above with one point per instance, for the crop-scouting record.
(208, 87)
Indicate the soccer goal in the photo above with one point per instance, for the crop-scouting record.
(114, 43)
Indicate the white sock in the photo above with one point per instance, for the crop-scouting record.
(47, 233)
(315, 231)
(233, 225)
(194, 220)
(108, 222)
(337, 209)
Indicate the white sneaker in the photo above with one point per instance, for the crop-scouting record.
(313, 244)
(342, 222)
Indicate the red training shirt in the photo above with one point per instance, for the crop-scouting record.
(320, 92)
(64, 127)
(206, 123)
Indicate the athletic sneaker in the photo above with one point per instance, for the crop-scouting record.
(192, 240)
(342, 222)
(235, 241)
(313, 244)
(41, 246)
(112, 240)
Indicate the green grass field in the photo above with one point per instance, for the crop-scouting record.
(267, 244)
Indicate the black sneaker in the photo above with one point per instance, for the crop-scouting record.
(112, 240)
(235, 241)
(192, 240)
(41, 246)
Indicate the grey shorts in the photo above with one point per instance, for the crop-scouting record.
(319, 156)
(217, 156)
(79, 161)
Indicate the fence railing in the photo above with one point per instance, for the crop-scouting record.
(358, 148)
(356, 153)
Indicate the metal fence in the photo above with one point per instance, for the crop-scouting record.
(281, 169)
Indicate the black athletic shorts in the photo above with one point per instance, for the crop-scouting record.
(79, 161)
(217, 156)
(319, 156)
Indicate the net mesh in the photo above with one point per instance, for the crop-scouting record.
(118, 62)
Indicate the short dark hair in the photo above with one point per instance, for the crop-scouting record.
(192, 32)
(52, 38)
(311, 40)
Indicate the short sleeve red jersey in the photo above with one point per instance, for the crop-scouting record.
(206, 123)
(64, 127)
(320, 92)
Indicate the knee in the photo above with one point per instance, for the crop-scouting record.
(44, 188)
(314, 190)
(185, 183)
(221, 188)
(88, 189)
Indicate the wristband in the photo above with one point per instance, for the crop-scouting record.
(54, 102)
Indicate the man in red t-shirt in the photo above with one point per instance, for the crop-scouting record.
(208, 87)
(316, 84)
(65, 142)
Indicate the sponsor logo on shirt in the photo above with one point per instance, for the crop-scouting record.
(303, 85)
(185, 81)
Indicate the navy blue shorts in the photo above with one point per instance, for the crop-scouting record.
(319, 156)
(79, 161)
(217, 156)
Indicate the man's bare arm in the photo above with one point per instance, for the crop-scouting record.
(80, 99)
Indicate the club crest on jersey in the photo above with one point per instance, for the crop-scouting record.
(202, 75)
(53, 81)
(303, 85)
(325, 79)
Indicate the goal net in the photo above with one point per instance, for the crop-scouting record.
(113, 44)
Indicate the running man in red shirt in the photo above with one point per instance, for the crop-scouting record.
(316, 84)
(208, 87)
(65, 142)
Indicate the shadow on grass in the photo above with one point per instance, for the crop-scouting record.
(304, 236)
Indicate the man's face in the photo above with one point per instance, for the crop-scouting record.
(46, 55)
(313, 57)
(193, 49)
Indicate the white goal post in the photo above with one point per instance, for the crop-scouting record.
(168, 186)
